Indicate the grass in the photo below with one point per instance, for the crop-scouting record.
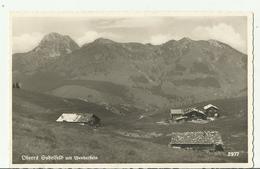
(35, 132)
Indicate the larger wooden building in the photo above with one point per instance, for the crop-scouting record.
(201, 140)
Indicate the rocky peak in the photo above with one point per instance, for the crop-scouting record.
(52, 36)
(55, 44)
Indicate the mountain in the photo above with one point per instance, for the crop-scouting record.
(175, 72)
(50, 47)
(54, 44)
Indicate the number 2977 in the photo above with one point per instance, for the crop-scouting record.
(233, 154)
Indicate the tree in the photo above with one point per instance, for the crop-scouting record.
(18, 85)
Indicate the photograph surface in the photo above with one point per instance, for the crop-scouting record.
(131, 88)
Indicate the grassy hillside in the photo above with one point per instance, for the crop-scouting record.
(149, 76)
(92, 90)
(121, 138)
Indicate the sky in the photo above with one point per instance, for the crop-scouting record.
(28, 31)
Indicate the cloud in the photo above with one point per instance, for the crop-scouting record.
(135, 22)
(90, 36)
(162, 38)
(159, 39)
(222, 32)
(26, 42)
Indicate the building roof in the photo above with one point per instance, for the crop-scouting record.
(177, 111)
(200, 137)
(196, 110)
(75, 117)
(209, 106)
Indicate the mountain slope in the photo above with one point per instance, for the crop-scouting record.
(50, 47)
(36, 132)
(180, 71)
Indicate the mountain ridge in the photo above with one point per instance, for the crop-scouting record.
(184, 68)
(54, 36)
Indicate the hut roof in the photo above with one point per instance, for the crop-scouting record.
(196, 110)
(75, 117)
(177, 111)
(209, 106)
(201, 137)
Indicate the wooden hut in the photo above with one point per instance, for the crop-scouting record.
(201, 140)
(211, 110)
(176, 113)
(81, 118)
(195, 114)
